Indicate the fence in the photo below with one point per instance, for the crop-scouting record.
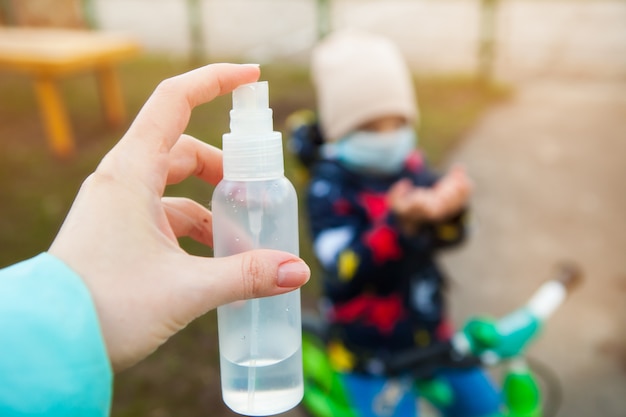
(516, 39)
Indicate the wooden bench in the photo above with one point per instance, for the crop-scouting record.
(48, 54)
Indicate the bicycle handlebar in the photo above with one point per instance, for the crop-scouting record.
(424, 361)
(554, 292)
(484, 340)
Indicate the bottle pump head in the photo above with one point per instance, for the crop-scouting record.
(252, 149)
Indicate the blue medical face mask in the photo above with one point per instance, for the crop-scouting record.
(381, 153)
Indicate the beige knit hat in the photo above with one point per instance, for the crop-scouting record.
(359, 77)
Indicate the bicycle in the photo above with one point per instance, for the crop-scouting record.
(482, 341)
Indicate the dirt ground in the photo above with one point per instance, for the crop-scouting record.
(549, 170)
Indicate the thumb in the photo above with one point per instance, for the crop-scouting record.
(251, 274)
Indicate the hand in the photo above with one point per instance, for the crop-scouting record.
(121, 234)
(417, 205)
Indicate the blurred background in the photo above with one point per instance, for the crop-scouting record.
(529, 95)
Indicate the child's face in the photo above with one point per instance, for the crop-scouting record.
(384, 124)
(378, 147)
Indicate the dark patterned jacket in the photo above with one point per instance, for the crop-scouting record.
(384, 288)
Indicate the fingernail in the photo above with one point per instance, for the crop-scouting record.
(252, 65)
(293, 274)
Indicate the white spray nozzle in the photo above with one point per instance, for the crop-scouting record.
(251, 97)
(252, 150)
(251, 113)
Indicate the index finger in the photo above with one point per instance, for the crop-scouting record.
(166, 114)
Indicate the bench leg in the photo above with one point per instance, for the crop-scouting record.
(55, 117)
(111, 93)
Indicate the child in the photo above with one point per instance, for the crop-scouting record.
(379, 216)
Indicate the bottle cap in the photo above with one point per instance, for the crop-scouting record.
(252, 149)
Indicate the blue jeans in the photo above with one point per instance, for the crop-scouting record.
(473, 393)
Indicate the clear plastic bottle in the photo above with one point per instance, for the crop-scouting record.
(255, 206)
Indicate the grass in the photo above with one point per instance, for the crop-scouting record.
(36, 191)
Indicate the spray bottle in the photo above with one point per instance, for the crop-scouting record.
(255, 206)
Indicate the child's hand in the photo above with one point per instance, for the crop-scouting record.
(417, 205)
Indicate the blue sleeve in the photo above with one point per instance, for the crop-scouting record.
(53, 360)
